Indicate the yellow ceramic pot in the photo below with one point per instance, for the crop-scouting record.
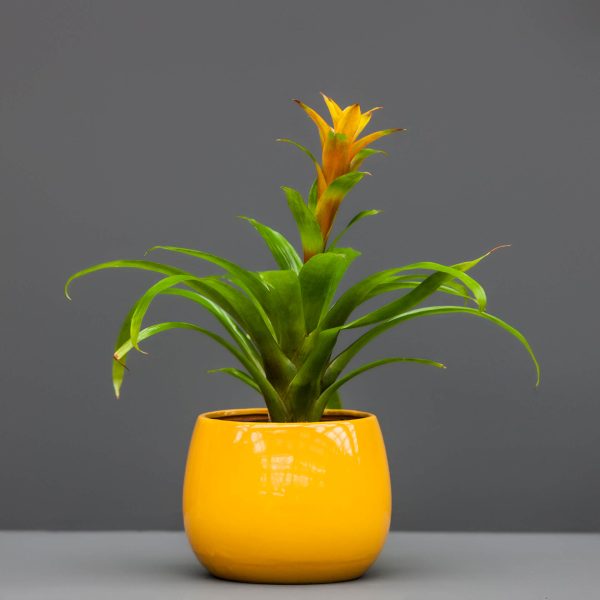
(286, 502)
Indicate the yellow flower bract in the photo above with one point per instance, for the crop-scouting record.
(341, 151)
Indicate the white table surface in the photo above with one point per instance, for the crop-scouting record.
(413, 566)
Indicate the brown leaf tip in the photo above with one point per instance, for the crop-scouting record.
(498, 247)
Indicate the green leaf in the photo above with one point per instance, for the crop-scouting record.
(251, 280)
(226, 297)
(354, 297)
(342, 359)
(310, 232)
(196, 283)
(276, 363)
(329, 392)
(319, 279)
(119, 366)
(422, 291)
(313, 196)
(277, 366)
(457, 287)
(378, 283)
(144, 265)
(306, 384)
(154, 329)
(127, 346)
(238, 375)
(465, 266)
(276, 407)
(239, 335)
(144, 302)
(283, 252)
(361, 155)
(142, 305)
(339, 187)
(284, 308)
(334, 401)
(248, 280)
(411, 282)
(353, 220)
(300, 147)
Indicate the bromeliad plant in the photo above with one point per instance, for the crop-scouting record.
(283, 324)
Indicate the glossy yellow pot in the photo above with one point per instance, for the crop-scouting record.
(286, 502)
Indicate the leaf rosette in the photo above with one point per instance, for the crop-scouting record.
(283, 326)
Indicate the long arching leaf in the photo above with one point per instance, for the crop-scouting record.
(239, 335)
(160, 327)
(119, 367)
(422, 291)
(121, 352)
(367, 289)
(144, 265)
(276, 407)
(247, 280)
(236, 303)
(418, 278)
(323, 399)
(411, 282)
(225, 296)
(354, 297)
(238, 375)
(342, 359)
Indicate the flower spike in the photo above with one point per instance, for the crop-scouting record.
(342, 151)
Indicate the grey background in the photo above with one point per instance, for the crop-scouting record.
(127, 124)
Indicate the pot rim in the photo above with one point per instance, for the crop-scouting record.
(216, 416)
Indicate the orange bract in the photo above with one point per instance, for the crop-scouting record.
(340, 146)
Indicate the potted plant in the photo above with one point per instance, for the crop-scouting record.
(298, 491)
